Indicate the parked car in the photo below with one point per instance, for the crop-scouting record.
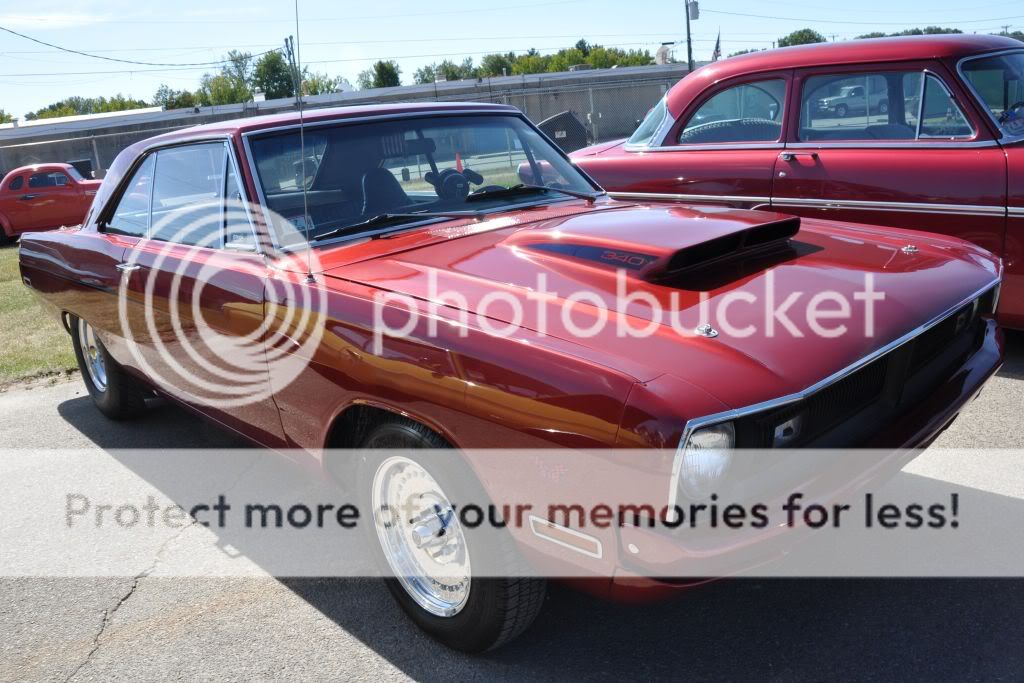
(946, 154)
(396, 199)
(42, 197)
(871, 96)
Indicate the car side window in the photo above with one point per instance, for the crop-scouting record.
(17, 183)
(131, 217)
(51, 179)
(187, 194)
(238, 232)
(891, 105)
(750, 112)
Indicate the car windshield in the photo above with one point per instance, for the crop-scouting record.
(356, 172)
(999, 84)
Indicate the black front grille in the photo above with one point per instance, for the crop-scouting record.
(848, 411)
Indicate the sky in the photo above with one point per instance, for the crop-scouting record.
(343, 38)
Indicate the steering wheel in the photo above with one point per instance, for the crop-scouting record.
(449, 184)
(1011, 112)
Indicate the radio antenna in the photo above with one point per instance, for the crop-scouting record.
(293, 49)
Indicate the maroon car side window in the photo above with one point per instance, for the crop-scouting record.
(749, 112)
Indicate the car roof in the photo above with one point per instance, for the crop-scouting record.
(255, 123)
(870, 50)
(36, 168)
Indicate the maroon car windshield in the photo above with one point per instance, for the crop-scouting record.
(355, 173)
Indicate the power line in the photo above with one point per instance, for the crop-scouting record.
(115, 59)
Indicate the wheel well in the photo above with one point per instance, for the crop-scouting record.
(348, 431)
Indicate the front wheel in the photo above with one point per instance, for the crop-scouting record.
(883, 107)
(842, 110)
(428, 557)
(115, 393)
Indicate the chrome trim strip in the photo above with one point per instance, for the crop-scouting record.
(978, 99)
(926, 143)
(664, 196)
(1015, 211)
(726, 415)
(740, 146)
(597, 553)
(911, 207)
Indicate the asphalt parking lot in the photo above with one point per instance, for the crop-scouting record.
(314, 629)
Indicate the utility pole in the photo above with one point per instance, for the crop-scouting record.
(689, 43)
(1006, 29)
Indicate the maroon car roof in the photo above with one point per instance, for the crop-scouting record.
(312, 115)
(875, 50)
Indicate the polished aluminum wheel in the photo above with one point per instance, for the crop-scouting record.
(93, 355)
(420, 535)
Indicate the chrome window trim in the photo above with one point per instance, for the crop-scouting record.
(154, 148)
(1003, 137)
(697, 423)
(742, 146)
(1016, 211)
(913, 207)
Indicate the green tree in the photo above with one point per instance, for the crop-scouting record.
(530, 64)
(222, 89)
(583, 46)
(383, 74)
(5, 117)
(497, 64)
(168, 98)
(926, 31)
(76, 106)
(273, 76)
(314, 83)
(607, 57)
(563, 59)
(804, 36)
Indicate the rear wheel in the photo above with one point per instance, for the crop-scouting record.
(428, 553)
(116, 394)
(842, 110)
(883, 107)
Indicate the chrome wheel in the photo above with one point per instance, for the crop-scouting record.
(420, 535)
(91, 351)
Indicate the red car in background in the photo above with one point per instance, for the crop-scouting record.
(919, 132)
(43, 197)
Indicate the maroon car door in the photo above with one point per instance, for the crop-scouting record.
(195, 293)
(914, 155)
(721, 149)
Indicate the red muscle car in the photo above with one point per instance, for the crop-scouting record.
(42, 197)
(923, 132)
(353, 219)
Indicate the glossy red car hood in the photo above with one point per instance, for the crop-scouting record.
(512, 254)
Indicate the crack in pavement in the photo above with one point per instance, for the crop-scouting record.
(108, 614)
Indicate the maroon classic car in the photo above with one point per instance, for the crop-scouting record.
(923, 132)
(42, 197)
(356, 219)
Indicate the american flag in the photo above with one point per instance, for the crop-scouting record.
(717, 54)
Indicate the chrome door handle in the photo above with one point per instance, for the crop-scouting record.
(128, 267)
(27, 197)
(789, 156)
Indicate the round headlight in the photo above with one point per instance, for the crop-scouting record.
(705, 459)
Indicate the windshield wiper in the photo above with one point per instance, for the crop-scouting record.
(382, 219)
(523, 188)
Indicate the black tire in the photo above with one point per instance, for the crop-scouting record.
(122, 398)
(842, 110)
(498, 609)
